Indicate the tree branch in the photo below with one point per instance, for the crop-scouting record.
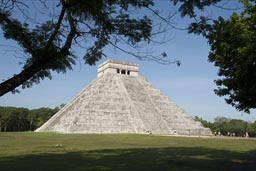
(57, 25)
(158, 59)
(71, 34)
(29, 72)
(24, 40)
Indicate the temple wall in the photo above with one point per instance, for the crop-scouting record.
(118, 67)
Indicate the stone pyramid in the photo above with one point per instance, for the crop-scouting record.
(120, 101)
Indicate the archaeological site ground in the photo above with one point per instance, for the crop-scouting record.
(122, 152)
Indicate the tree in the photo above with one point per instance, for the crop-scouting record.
(252, 129)
(233, 50)
(20, 115)
(22, 119)
(221, 125)
(92, 25)
(38, 117)
(3, 120)
(239, 127)
(13, 119)
(204, 122)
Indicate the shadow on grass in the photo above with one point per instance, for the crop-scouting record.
(174, 159)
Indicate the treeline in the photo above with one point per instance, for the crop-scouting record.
(230, 127)
(23, 119)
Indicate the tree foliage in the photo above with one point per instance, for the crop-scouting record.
(188, 7)
(91, 25)
(229, 127)
(23, 119)
(232, 49)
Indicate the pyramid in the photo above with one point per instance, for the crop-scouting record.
(120, 101)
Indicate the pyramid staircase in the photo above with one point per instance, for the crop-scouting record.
(120, 103)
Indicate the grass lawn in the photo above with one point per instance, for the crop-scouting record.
(39, 151)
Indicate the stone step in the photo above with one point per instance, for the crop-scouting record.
(122, 104)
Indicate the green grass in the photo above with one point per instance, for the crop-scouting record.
(38, 151)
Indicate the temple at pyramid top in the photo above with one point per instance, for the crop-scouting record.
(118, 67)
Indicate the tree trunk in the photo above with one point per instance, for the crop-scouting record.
(19, 79)
(30, 125)
(18, 125)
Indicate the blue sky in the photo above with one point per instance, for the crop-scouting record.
(190, 85)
